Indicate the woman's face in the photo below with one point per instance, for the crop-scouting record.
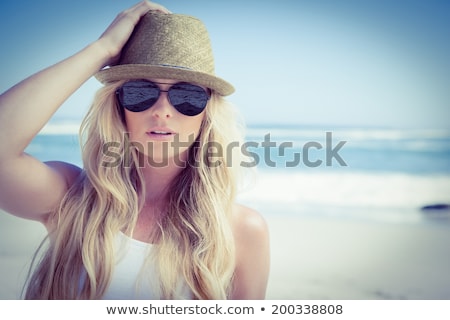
(161, 132)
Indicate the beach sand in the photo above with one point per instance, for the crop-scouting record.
(332, 259)
(311, 258)
(19, 238)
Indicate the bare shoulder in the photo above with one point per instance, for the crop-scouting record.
(68, 173)
(248, 223)
(251, 235)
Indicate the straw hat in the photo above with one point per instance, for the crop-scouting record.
(168, 46)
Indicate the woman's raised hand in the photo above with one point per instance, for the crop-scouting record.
(118, 32)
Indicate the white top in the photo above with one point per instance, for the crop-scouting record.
(130, 280)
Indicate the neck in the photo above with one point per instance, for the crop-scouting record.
(158, 179)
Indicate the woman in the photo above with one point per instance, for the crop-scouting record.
(152, 213)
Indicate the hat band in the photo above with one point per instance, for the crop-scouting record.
(174, 66)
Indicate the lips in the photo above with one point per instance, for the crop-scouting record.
(160, 132)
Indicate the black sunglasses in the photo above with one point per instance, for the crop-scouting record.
(140, 95)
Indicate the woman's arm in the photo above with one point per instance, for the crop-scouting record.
(252, 255)
(28, 187)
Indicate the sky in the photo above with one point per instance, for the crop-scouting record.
(304, 62)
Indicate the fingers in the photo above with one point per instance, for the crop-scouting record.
(157, 7)
(138, 10)
(144, 6)
(118, 32)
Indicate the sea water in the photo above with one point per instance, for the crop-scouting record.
(381, 174)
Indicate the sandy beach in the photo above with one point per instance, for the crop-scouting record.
(312, 258)
(332, 259)
(19, 239)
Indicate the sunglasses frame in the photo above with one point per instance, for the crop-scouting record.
(206, 91)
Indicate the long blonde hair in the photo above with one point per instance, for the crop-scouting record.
(195, 236)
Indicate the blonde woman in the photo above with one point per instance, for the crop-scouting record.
(152, 213)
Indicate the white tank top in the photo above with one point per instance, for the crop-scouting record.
(130, 280)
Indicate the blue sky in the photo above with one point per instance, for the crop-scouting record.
(317, 62)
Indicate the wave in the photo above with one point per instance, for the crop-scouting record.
(420, 140)
(358, 195)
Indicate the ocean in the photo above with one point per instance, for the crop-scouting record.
(377, 174)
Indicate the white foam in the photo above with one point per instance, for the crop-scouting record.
(360, 192)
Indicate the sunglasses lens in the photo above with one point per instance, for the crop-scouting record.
(188, 99)
(138, 95)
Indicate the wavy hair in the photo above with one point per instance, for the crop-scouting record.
(195, 241)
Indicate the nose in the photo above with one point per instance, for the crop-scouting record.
(162, 107)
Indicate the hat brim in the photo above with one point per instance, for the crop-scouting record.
(145, 71)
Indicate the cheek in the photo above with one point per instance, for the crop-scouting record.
(193, 126)
(132, 121)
